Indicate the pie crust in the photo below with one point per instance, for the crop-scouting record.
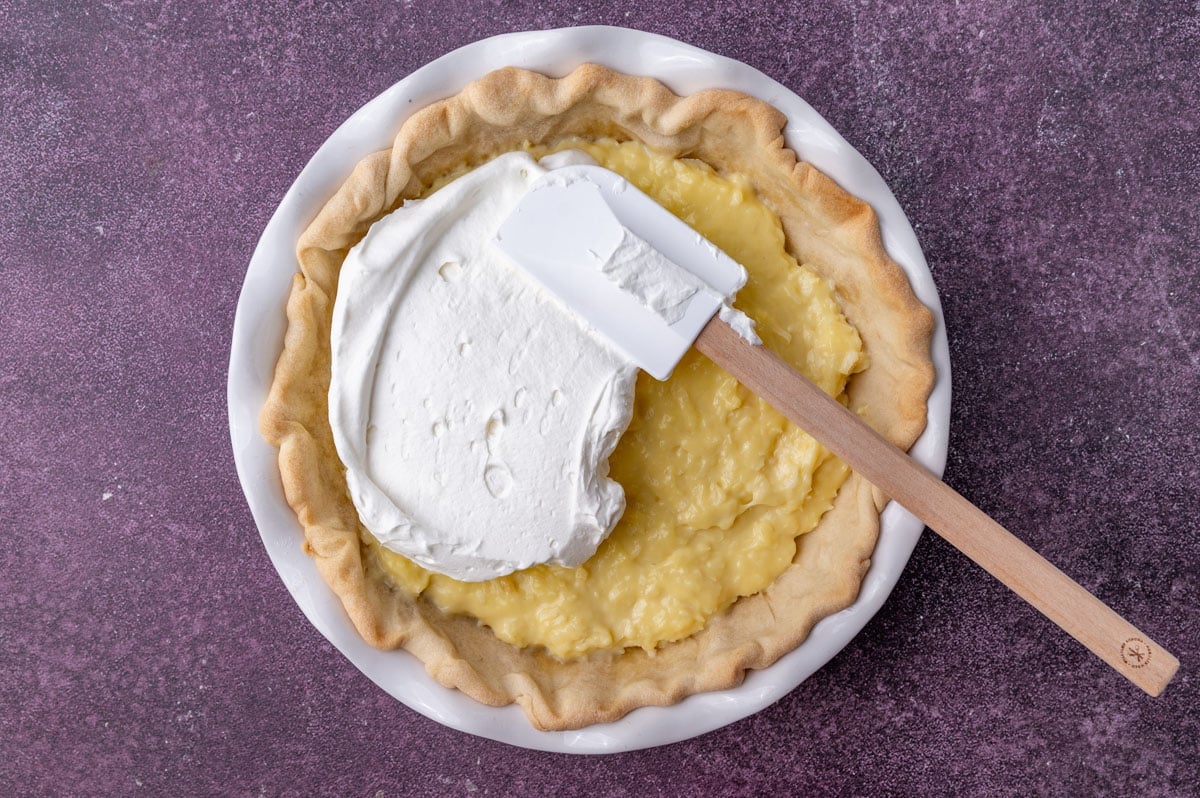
(826, 229)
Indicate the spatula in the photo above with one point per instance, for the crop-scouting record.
(571, 214)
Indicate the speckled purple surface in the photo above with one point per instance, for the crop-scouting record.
(1049, 160)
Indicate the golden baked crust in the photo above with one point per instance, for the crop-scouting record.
(826, 229)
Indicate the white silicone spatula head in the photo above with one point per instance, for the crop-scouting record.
(581, 232)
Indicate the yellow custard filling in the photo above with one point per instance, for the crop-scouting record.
(718, 486)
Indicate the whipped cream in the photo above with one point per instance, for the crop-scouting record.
(474, 412)
(639, 269)
(475, 415)
(661, 285)
(740, 323)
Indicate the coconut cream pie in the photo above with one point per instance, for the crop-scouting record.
(487, 484)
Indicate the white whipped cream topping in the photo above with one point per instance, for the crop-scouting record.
(741, 324)
(475, 415)
(662, 285)
(639, 269)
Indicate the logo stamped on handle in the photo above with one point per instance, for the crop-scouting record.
(1136, 652)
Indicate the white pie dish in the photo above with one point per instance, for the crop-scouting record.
(260, 323)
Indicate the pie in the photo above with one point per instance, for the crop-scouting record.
(741, 532)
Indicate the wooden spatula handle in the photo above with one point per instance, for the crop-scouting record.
(1109, 636)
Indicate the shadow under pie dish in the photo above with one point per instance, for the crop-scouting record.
(825, 229)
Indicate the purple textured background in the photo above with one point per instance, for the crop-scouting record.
(1049, 161)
